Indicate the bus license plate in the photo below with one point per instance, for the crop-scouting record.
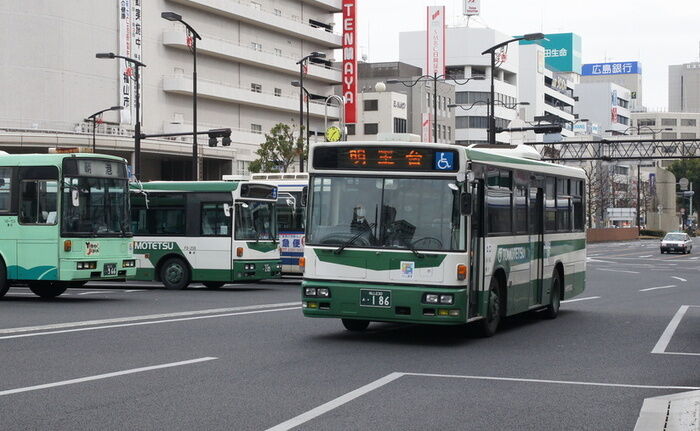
(110, 269)
(375, 298)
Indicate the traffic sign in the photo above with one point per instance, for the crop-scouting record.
(683, 182)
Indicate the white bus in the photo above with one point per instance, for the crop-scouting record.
(440, 234)
(291, 215)
(213, 232)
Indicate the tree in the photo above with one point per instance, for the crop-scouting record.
(690, 169)
(281, 147)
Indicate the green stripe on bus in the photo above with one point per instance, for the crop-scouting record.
(262, 247)
(378, 260)
(36, 273)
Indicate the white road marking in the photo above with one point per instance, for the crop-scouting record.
(679, 278)
(343, 399)
(657, 288)
(98, 292)
(104, 376)
(670, 329)
(350, 396)
(618, 270)
(580, 299)
(649, 255)
(598, 261)
(135, 290)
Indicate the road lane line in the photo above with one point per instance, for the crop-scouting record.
(144, 317)
(618, 270)
(343, 399)
(648, 289)
(648, 255)
(150, 322)
(104, 376)
(661, 345)
(679, 278)
(559, 382)
(580, 299)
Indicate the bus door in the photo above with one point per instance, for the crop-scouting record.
(476, 252)
(536, 229)
(214, 248)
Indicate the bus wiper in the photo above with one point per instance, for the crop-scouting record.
(411, 247)
(367, 228)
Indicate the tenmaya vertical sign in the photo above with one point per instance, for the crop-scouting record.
(130, 36)
(436, 41)
(350, 60)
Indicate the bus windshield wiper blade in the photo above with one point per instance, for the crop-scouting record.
(411, 247)
(367, 228)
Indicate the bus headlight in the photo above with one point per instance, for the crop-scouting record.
(432, 298)
(322, 292)
(86, 265)
(447, 299)
(130, 263)
(309, 291)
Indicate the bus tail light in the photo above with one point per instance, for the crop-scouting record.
(239, 252)
(461, 272)
(67, 245)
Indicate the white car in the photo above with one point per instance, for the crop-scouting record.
(676, 241)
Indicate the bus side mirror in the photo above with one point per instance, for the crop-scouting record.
(304, 196)
(75, 198)
(465, 203)
(227, 209)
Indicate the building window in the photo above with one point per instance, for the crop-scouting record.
(461, 122)
(444, 132)
(400, 125)
(449, 133)
(669, 122)
(256, 5)
(688, 136)
(278, 52)
(256, 46)
(350, 129)
(646, 122)
(668, 135)
(688, 122)
(623, 120)
(278, 92)
(479, 122)
(430, 99)
(256, 128)
(371, 105)
(371, 128)
(256, 88)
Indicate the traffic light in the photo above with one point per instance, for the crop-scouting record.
(215, 134)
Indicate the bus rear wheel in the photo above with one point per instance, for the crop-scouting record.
(552, 310)
(489, 324)
(214, 284)
(4, 284)
(175, 274)
(47, 289)
(355, 325)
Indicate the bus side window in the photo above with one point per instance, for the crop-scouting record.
(5, 190)
(550, 206)
(38, 202)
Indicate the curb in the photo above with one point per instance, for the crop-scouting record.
(670, 413)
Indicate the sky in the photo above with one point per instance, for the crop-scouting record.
(656, 32)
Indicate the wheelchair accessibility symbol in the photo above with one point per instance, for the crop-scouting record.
(444, 161)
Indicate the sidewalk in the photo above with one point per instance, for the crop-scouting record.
(678, 412)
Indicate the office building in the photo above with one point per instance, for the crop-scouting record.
(627, 74)
(379, 113)
(684, 87)
(247, 56)
(606, 104)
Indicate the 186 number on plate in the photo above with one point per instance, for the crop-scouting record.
(375, 298)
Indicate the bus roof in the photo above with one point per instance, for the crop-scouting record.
(188, 186)
(508, 157)
(50, 159)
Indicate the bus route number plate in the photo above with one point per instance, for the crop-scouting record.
(110, 269)
(375, 298)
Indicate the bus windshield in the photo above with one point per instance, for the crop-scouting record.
(254, 220)
(378, 212)
(102, 206)
(290, 213)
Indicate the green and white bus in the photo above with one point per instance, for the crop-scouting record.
(440, 234)
(213, 232)
(64, 220)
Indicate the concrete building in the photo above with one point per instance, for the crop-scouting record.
(604, 103)
(420, 97)
(464, 60)
(51, 80)
(380, 112)
(683, 125)
(684, 87)
(627, 74)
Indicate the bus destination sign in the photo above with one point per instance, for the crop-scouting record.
(386, 158)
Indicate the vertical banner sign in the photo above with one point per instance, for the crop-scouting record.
(350, 60)
(435, 64)
(426, 129)
(472, 7)
(130, 37)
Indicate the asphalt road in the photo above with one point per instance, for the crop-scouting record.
(135, 356)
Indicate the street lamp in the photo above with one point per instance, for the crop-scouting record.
(435, 78)
(94, 116)
(308, 97)
(137, 129)
(302, 63)
(172, 16)
(492, 51)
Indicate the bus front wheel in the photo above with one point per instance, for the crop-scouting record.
(4, 284)
(489, 324)
(47, 289)
(552, 310)
(355, 325)
(175, 274)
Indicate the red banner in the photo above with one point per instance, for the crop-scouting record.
(350, 60)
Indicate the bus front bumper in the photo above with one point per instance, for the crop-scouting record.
(407, 304)
(86, 269)
(256, 269)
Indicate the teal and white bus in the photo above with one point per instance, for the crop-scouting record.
(213, 232)
(64, 220)
(291, 215)
(440, 234)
